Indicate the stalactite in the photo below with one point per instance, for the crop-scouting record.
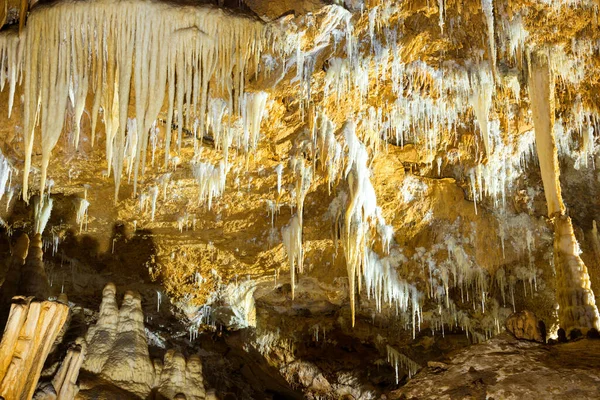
(99, 46)
(577, 305)
(10, 63)
(292, 241)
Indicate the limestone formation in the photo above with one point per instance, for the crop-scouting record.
(524, 325)
(34, 281)
(504, 368)
(577, 304)
(101, 336)
(117, 348)
(178, 376)
(30, 332)
(64, 384)
(316, 197)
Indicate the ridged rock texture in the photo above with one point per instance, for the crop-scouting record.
(314, 198)
(31, 330)
(64, 384)
(176, 375)
(117, 349)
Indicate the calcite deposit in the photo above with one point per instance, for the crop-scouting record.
(299, 199)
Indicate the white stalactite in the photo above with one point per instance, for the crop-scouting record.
(101, 46)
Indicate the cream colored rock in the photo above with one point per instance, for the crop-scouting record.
(64, 385)
(100, 337)
(574, 293)
(117, 345)
(181, 377)
(577, 305)
(524, 325)
(65, 381)
(30, 332)
(117, 352)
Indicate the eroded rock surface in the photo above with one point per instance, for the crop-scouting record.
(525, 325)
(505, 368)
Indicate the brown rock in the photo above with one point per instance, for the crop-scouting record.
(524, 325)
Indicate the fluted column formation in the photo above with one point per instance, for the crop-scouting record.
(117, 344)
(577, 305)
(178, 376)
(575, 297)
(64, 384)
(30, 332)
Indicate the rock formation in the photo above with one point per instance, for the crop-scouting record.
(506, 368)
(316, 197)
(34, 281)
(524, 325)
(177, 376)
(117, 348)
(30, 332)
(577, 304)
(64, 384)
(117, 352)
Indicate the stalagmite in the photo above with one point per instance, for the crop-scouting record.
(30, 332)
(577, 305)
(129, 345)
(64, 384)
(34, 281)
(101, 336)
(177, 375)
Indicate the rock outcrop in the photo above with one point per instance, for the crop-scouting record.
(506, 368)
(30, 332)
(524, 325)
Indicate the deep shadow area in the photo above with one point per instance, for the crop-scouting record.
(78, 268)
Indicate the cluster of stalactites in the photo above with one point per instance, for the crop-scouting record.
(107, 47)
(356, 215)
(398, 359)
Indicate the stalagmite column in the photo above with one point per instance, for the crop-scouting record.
(575, 297)
(178, 376)
(34, 281)
(128, 363)
(64, 385)
(31, 330)
(117, 348)
(101, 336)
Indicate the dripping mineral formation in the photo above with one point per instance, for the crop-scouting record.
(335, 199)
